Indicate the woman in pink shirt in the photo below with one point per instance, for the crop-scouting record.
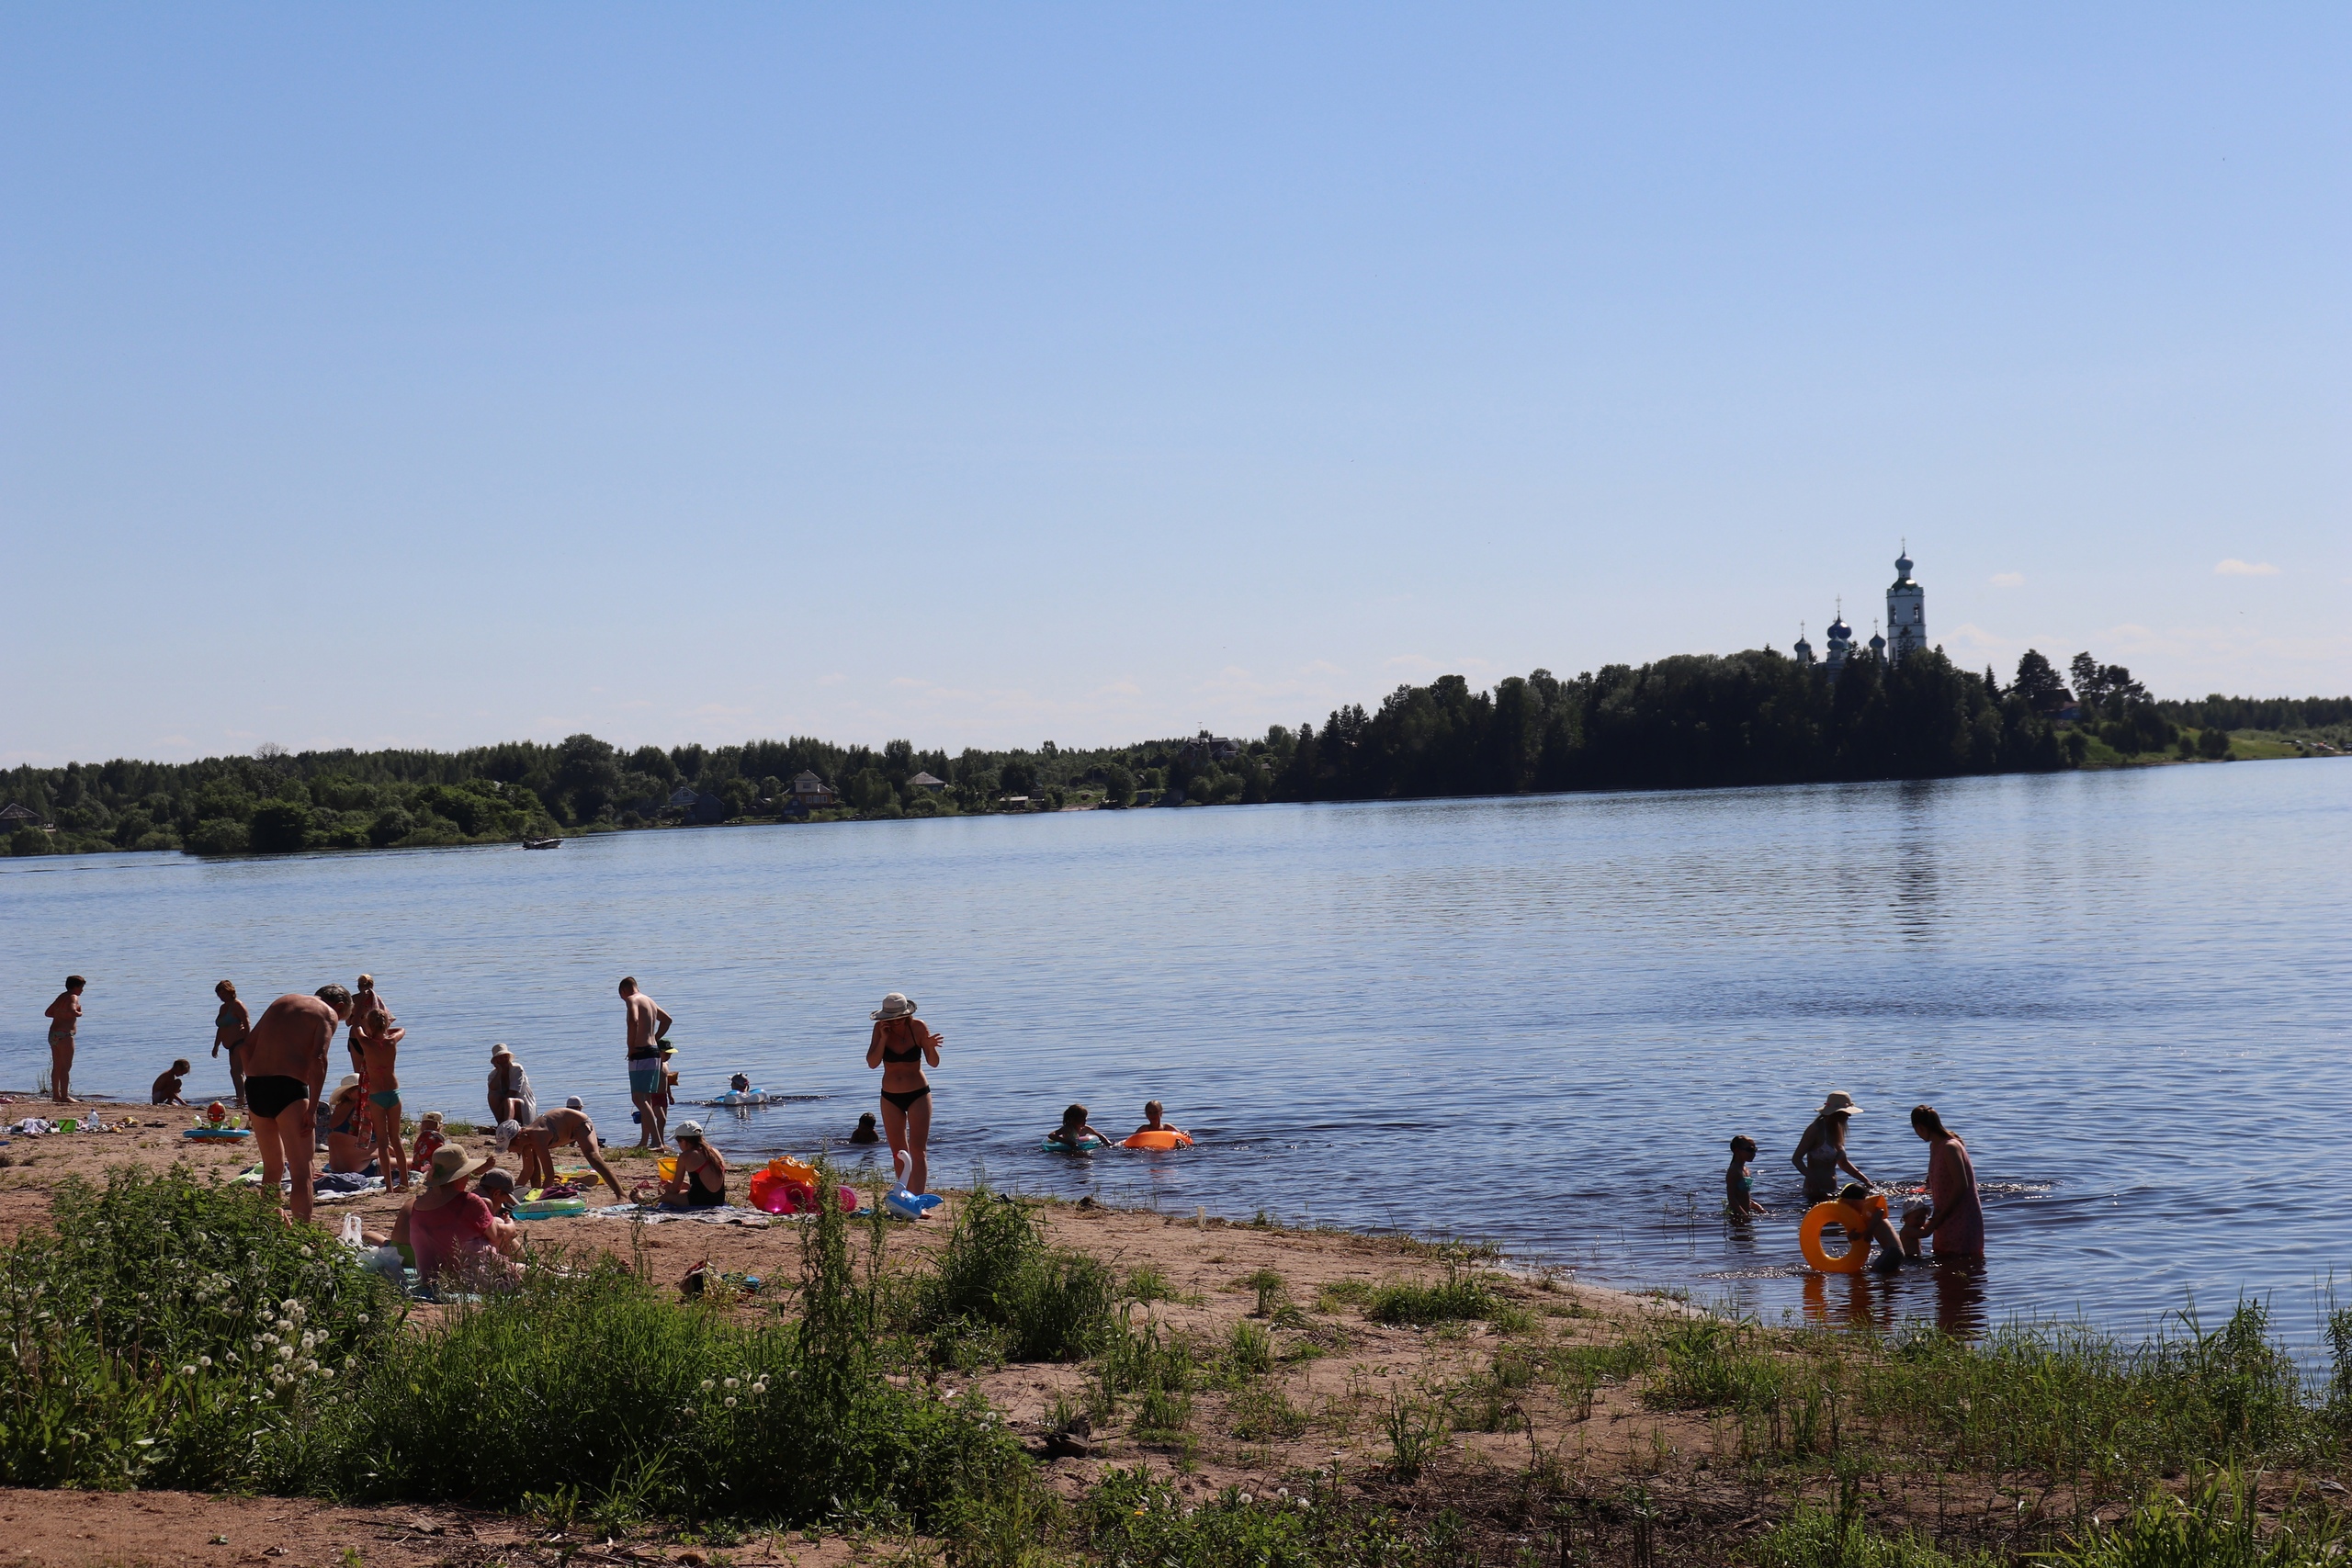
(1956, 1218)
(449, 1227)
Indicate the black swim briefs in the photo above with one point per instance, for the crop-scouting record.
(265, 1097)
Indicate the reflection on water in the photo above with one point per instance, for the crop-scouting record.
(1952, 1296)
(1535, 1021)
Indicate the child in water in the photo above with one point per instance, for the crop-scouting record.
(1152, 1112)
(738, 1084)
(1740, 1183)
(167, 1086)
(866, 1132)
(1071, 1135)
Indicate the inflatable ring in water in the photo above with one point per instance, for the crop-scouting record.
(1819, 1218)
(1084, 1145)
(1165, 1138)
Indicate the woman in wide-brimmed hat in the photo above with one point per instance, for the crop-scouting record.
(1821, 1153)
(449, 1227)
(900, 1046)
(350, 1137)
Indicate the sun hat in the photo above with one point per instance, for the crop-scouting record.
(451, 1163)
(506, 1133)
(689, 1129)
(898, 1004)
(350, 1081)
(1839, 1099)
(499, 1050)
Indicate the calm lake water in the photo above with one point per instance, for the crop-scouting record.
(1536, 1021)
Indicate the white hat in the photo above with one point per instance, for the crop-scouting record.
(499, 1050)
(689, 1129)
(508, 1131)
(895, 1005)
(574, 1105)
(1839, 1100)
(350, 1081)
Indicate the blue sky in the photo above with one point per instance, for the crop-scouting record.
(434, 374)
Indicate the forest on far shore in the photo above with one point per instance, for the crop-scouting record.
(1691, 721)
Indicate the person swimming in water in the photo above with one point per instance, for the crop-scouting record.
(1153, 1120)
(866, 1132)
(1071, 1135)
(1739, 1181)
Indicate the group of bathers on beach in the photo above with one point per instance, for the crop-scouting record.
(1949, 1213)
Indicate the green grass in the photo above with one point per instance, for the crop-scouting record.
(1133, 1518)
(999, 1286)
(1462, 1295)
(2218, 1527)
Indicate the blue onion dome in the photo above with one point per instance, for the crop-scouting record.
(1878, 643)
(1839, 631)
(1902, 564)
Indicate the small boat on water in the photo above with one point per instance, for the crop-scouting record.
(543, 843)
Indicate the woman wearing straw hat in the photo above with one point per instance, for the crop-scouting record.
(899, 1047)
(348, 1131)
(1821, 1153)
(449, 1227)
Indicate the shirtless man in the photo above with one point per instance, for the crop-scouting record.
(64, 1017)
(535, 1147)
(648, 1026)
(286, 1067)
(376, 1040)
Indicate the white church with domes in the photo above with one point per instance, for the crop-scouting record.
(1907, 625)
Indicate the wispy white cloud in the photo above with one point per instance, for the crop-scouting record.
(2236, 568)
(2008, 580)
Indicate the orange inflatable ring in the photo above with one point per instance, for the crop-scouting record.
(1819, 1218)
(1165, 1138)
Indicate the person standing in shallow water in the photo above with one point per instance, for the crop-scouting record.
(64, 1017)
(229, 1027)
(900, 1046)
(1956, 1217)
(1821, 1153)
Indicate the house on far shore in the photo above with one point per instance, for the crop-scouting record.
(682, 797)
(13, 816)
(811, 792)
(926, 781)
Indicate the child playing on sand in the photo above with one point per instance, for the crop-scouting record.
(1740, 1183)
(167, 1086)
(1152, 1113)
(429, 1138)
(1071, 1135)
(866, 1132)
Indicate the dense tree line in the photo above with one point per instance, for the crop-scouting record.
(1756, 718)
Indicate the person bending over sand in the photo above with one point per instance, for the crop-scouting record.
(286, 1067)
(1074, 1131)
(535, 1147)
(64, 1017)
(166, 1090)
(229, 1027)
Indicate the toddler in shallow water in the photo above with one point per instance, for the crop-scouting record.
(1074, 1131)
(1740, 1183)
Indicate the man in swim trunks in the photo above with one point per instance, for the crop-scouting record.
(64, 1017)
(535, 1147)
(286, 1067)
(649, 1027)
(376, 1038)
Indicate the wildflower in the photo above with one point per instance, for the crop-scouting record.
(329, 1372)
(687, 1410)
(306, 1252)
(730, 1402)
(232, 1358)
(363, 1317)
(734, 1382)
(187, 1371)
(707, 1385)
(204, 1360)
(285, 1352)
(308, 1340)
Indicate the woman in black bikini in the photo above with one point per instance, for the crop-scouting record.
(900, 1046)
(701, 1181)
